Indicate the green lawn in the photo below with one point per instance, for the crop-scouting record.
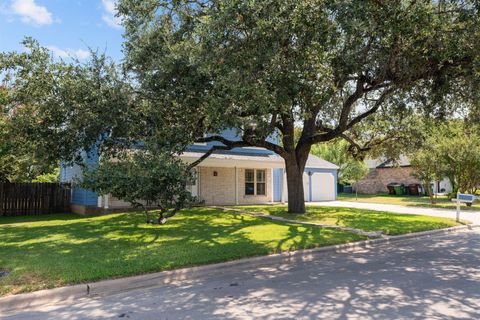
(423, 201)
(55, 250)
(368, 220)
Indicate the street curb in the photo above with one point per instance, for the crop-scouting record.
(19, 302)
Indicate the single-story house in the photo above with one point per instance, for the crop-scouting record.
(384, 171)
(237, 176)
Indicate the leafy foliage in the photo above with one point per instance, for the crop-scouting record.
(451, 150)
(66, 107)
(19, 159)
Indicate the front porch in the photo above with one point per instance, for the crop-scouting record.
(225, 179)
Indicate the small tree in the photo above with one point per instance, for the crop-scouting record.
(144, 179)
(452, 151)
(427, 168)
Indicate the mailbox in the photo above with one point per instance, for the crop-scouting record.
(464, 198)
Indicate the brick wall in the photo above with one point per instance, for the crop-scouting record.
(377, 179)
(219, 189)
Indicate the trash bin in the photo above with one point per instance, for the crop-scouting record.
(399, 190)
(391, 190)
(413, 189)
(393, 186)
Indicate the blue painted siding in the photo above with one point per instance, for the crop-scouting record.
(73, 173)
(277, 184)
(84, 197)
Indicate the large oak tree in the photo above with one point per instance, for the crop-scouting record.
(265, 67)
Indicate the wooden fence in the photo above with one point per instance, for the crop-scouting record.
(18, 199)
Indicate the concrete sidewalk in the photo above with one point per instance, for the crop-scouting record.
(472, 216)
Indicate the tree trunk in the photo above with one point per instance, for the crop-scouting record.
(428, 189)
(296, 194)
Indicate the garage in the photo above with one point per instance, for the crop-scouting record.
(319, 181)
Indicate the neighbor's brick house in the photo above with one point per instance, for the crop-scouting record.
(381, 173)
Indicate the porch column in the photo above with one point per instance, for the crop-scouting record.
(236, 186)
(99, 201)
(284, 183)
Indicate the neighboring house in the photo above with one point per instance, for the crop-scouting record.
(382, 172)
(238, 176)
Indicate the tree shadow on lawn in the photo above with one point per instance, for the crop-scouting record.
(92, 248)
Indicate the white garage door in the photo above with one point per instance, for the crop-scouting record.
(323, 187)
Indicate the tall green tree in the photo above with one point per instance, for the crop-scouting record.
(264, 67)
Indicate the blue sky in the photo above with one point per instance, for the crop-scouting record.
(67, 27)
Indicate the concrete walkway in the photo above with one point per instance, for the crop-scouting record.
(428, 278)
(472, 216)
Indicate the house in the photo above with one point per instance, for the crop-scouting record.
(248, 175)
(384, 171)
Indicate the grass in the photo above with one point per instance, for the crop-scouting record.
(368, 220)
(417, 201)
(54, 250)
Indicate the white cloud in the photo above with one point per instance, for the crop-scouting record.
(30, 12)
(69, 53)
(109, 15)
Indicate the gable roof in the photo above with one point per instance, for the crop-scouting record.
(316, 162)
(403, 161)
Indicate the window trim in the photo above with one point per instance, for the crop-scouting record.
(255, 183)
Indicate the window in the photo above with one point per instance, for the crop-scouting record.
(261, 190)
(255, 182)
(250, 182)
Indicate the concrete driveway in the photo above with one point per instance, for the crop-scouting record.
(472, 216)
(434, 278)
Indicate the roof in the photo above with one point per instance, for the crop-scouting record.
(316, 162)
(403, 161)
(235, 156)
(255, 159)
